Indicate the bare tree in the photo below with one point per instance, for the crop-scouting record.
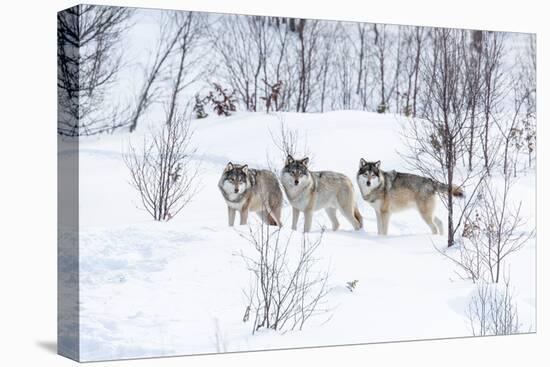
(162, 171)
(492, 93)
(418, 41)
(397, 69)
(287, 287)
(326, 56)
(412, 42)
(244, 52)
(382, 46)
(345, 72)
(89, 58)
(362, 32)
(527, 80)
(436, 142)
(193, 27)
(179, 36)
(509, 129)
(282, 69)
(473, 57)
(307, 52)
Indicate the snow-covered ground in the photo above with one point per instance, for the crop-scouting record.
(154, 289)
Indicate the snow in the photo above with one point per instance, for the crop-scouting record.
(158, 289)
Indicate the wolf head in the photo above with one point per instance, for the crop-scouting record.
(369, 175)
(295, 171)
(236, 179)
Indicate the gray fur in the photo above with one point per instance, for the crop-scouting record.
(392, 191)
(309, 191)
(245, 189)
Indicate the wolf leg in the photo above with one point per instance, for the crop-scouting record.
(295, 215)
(384, 221)
(348, 213)
(426, 209)
(439, 225)
(331, 212)
(358, 216)
(378, 222)
(428, 218)
(308, 218)
(276, 216)
(244, 216)
(231, 216)
(266, 217)
(272, 219)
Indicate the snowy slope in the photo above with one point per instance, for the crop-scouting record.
(150, 289)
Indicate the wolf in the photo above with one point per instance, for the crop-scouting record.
(309, 191)
(390, 192)
(246, 189)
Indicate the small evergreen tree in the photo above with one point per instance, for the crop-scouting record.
(382, 108)
(530, 135)
(200, 113)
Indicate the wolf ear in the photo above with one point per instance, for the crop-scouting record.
(289, 160)
(251, 176)
(305, 161)
(245, 169)
(229, 166)
(362, 163)
(377, 164)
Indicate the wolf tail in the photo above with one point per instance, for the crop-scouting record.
(271, 221)
(455, 190)
(358, 216)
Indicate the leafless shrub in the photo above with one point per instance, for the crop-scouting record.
(288, 142)
(220, 338)
(273, 95)
(493, 230)
(222, 101)
(469, 261)
(492, 310)
(162, 171)
(500, 228)
(287, 288)
(352, 285)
